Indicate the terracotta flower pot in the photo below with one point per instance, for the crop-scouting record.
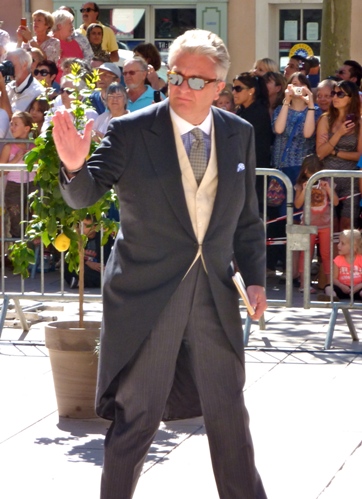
(74, 365)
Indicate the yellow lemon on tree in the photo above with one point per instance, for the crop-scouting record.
(61, 242)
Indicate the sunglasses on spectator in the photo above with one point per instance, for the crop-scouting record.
(339, 94)
(133, 72)
(41, 72)
(87, 9)
(194, 82)
(239, 88)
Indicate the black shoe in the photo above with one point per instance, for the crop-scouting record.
(74, 283)
(296, 282)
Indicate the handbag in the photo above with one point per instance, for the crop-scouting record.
(275, 195)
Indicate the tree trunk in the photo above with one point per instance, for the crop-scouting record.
(336, 35)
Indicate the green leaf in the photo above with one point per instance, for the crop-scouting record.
(72, 234)
(45, 239)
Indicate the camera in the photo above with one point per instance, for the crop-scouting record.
(298, 90)
(7, 69)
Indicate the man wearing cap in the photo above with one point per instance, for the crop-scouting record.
(90, 13)
(108, 73)
(139, 94)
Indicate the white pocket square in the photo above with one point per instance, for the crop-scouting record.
(240, 167)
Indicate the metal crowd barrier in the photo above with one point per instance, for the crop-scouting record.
(302, 233)
(297, 239)
(38, 272)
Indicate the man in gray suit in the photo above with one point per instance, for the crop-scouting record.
(171, 341)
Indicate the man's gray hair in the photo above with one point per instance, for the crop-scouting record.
(202, 42)
(22, 56)
(61, 16)
(140, 60)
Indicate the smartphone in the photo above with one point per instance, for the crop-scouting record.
(23, 21)
(157, 96)
(350, 117)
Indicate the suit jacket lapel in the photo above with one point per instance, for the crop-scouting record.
(160, 143)
(226, 143)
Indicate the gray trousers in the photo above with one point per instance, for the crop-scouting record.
(190, 319)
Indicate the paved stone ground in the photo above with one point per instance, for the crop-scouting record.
(304, 403)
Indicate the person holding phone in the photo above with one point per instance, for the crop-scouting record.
(339, 145)
(43, 40)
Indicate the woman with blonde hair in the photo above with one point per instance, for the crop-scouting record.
(262, 66)
(43, 23)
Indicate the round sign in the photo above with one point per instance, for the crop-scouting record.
(301, 49)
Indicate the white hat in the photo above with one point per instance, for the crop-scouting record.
(112, 68)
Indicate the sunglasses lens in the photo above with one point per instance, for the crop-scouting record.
(237, 89)
(196, 83)
(339, 94)
(175, 79)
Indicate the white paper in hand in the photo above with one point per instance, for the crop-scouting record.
(240, 286)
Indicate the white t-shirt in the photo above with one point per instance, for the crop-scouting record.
(21, 97)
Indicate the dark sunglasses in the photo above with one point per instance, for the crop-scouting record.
(194, 82)
(42, 72)
(238, 88)
(88, 9)
(339, 94)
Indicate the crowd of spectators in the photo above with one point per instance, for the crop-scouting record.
(292, 112)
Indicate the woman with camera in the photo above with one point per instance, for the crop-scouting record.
(294, 124)
(339, 145)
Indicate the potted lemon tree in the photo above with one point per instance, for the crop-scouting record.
(71, 343)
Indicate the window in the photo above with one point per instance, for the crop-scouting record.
(169, 24)
(148, 24)
(301, 27)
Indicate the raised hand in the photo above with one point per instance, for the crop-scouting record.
(72, 146)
